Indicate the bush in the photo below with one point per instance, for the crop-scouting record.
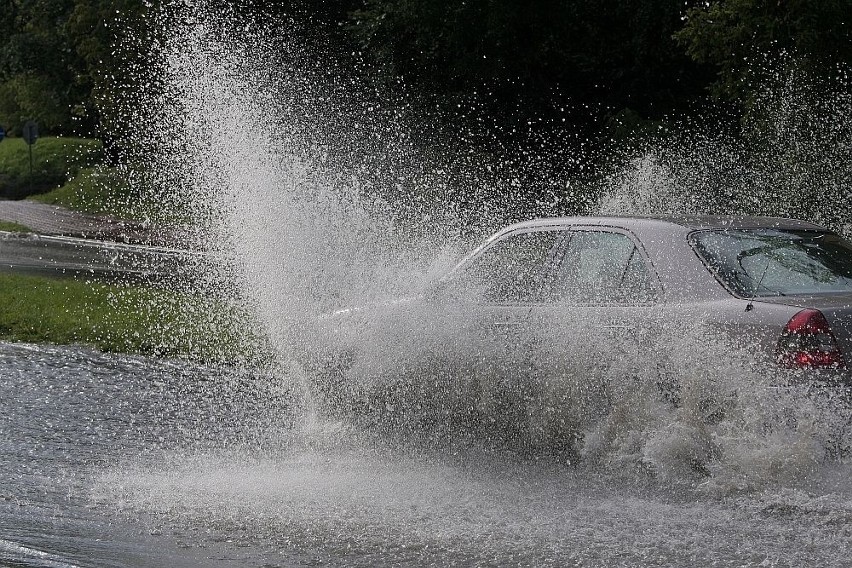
(55, 161)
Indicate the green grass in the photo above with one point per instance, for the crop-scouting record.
(127, 319)
(14, 227)
(55, 161)
(109, 317)
(105, 190)
(68, 172)
(98, 189)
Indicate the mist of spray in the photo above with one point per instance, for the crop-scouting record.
(789, 157)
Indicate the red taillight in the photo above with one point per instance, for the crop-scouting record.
(808, 342)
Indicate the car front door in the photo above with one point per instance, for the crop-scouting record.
(497, 288)
(591, 325)
(491, 297)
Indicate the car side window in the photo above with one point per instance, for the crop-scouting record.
(600, 267)
(515, 269)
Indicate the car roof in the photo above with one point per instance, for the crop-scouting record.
(690, 222)
(664, 239)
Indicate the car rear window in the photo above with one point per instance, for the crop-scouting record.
(600, 267)
(776, 262)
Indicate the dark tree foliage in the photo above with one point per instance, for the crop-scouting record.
(602, 53)
(111, 40)
(62, 61)
(38, 67)
(317, 11)
(739, 37)
(320, 24)
(73, 65)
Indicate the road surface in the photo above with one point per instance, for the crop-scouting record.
(69, 243)
(54, 220)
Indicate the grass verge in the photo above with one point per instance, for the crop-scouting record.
(99, 190)
(126, 319)
(80, 182)
(14, 227)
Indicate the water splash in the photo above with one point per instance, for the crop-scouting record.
(311, 193)
(787, 159)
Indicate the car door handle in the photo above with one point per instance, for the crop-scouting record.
(505, 324)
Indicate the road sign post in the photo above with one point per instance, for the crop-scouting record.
(30, 132)
(30, 135)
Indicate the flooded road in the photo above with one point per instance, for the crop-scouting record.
(124, 461)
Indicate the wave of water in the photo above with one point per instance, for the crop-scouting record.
(21, 555)
(357, 508)
(787, 159)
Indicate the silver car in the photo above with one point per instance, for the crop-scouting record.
(783, 285)
(554, 297)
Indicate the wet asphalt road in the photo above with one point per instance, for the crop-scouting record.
(54, 220)
(69, 243)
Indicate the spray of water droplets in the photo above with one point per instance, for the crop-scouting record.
(311, 191)
(789, 158)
